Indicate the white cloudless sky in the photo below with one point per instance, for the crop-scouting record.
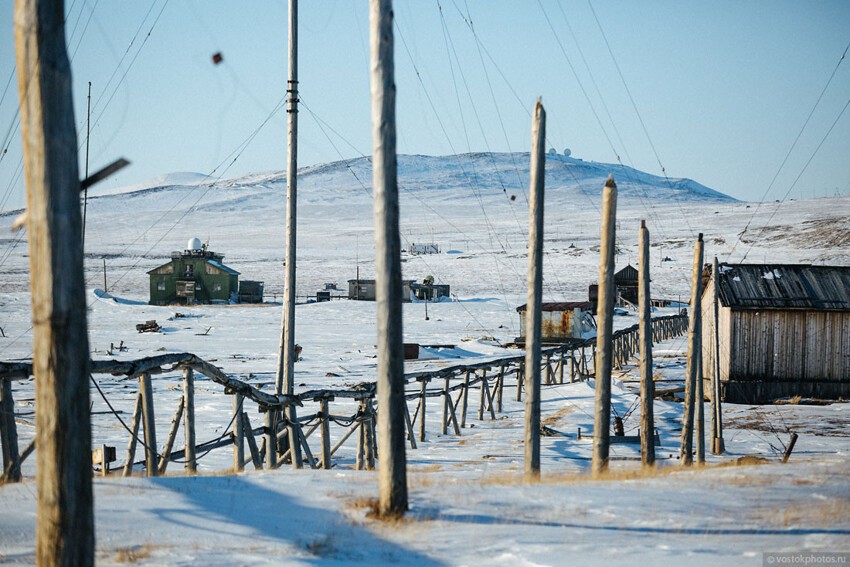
(722, 88)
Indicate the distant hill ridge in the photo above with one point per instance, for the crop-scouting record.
(487, 174)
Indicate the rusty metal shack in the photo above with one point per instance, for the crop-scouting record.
(562, 321)
(364, 290)
(784, 331)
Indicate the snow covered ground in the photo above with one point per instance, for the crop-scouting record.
(468, 503)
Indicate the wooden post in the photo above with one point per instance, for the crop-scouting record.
(148, 423)
(392, 501)
(422, 405)
(326, 434)
(370, 437)
(189, 420)
(647, 386)
(410, 436)
(286, 368)
(500, 387)
(605, 310)
(700, 408)
(520, 378)
(270, 427)
(172, 435)
(252, 442)
(60, 362)
(238, 435)
(447, 402)
(533, 321)
(464, 399)
(717, 445)
(361, 439)
(134, 436)
(687, 444)
(9, 434)
(481, 399)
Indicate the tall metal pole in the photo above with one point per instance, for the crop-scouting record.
(605, 313)
(286, 368)
(647, 386)
(392, 474)
(60, 361)
(533, 320)
(694, 328)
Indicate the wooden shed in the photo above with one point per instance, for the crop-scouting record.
(784, 330)
(562, 320)
(364, 290)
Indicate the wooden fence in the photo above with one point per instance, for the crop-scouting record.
(572, 361)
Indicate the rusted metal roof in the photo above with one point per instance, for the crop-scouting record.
(561, 306)
(785, 286)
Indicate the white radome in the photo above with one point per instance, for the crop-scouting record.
(194, 244)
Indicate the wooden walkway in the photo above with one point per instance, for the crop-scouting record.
(449, 388)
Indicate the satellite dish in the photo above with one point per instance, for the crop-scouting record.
(552, 151)
(194, 244)
(567, 152)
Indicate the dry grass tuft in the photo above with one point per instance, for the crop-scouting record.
(556, 417)
(133, 554)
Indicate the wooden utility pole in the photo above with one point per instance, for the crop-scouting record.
(533, 321)
(647, 386)
(604, 317)
(392, 476)
(717, 445)
(694, 332)
(286, 361)
(86, 175)
(65, 519)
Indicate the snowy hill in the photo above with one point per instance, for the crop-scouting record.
(478, 175)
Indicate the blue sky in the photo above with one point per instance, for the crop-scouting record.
(723, 88)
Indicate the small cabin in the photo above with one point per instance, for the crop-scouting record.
(364, 290)
(782, 331)
(626, 282)
(430, 292)
(197, 276)
(561, 321)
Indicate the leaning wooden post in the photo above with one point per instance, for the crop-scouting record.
(647, 386)
(533, 320)
(392, 500)
(148, 423)
(717, 444)
(60, 362)
(238, 434)
(9, 434)
(687, 444)
(134, 436)
(189, 420)
(464, 400)
(605, 310)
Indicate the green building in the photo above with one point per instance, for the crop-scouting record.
(194, 276)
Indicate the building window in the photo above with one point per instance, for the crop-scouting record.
(217, 287)
(190, 270)
(161, 285)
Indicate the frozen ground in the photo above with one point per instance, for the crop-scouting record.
(468, 504)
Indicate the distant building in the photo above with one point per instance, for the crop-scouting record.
(626, 282)
(429, 248)
(561, 321)
(784, 330)
(197, 275)
(430, 292)
(364, 290)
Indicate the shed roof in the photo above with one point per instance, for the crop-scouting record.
(223, 268)
(784, 286)
(627, 274)
(561, 306)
